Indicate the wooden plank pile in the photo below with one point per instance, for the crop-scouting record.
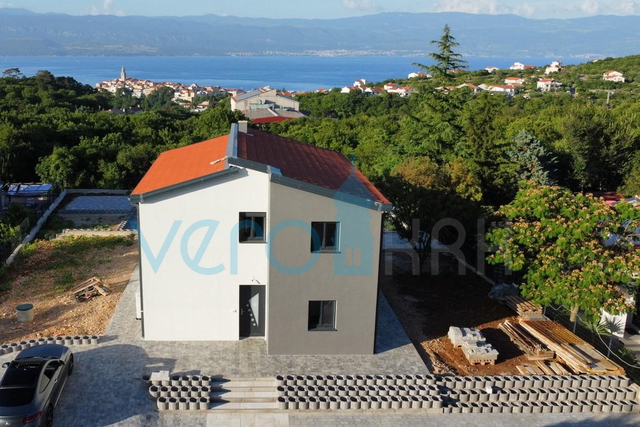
(526, 342)
(574, 352)
(522, 306)
(473, 345)
(90, 288)
(540, 367)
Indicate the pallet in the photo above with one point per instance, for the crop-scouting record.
(522, 306)
(90, 288)
(574, 352)
(542, 368)
(530, 346)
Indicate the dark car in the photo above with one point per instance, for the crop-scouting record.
(32, 384)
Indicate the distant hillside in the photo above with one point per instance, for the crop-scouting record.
(26, 33)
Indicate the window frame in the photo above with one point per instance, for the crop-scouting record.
(332, 327)
(323, 248)
(243, 217)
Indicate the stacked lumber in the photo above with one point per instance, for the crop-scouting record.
(542, 368)
(574, 352)
(526, 342)
(90, 288)
(522, 306)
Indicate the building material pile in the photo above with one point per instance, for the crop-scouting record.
(540, 367)
(473, 345)
(522, 306)
(526, 342)
(90, 288)
(574, 352)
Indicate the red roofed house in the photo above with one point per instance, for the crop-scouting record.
(253, 234)
(613, 76)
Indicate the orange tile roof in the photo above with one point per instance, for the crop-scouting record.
(296, 160)
(184, 164)
(307, 163)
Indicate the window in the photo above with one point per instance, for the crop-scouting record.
(322, 315)
(324, 236)
(252, 226)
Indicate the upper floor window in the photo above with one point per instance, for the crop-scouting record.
(252, 226)
(324, 236)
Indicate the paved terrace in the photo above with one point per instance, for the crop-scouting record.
(106, 388)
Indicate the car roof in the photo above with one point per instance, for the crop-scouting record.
(44, 351)
(22, 374)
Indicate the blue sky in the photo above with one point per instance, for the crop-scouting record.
(330, 8)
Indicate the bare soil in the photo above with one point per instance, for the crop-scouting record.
(428, 305)
(45, 277)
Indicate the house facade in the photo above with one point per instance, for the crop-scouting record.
(255, 235)
(613, 76)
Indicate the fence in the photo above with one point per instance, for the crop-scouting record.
(21, 231)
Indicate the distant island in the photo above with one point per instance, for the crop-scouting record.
(26, 33)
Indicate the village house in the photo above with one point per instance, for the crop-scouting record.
(256, 235)
(491, 69)
(613, 76)
(266, 103)
(520, 66)
(546, 85)
(474, 89)
(555, 67)
(419, 74)
(513, 81)
(360, 83)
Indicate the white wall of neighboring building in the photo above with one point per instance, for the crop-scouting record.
(182, 304)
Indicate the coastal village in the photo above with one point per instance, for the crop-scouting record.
(267, 105)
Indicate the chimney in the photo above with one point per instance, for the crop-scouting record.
(243, 126)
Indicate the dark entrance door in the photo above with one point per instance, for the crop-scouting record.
(252, 310)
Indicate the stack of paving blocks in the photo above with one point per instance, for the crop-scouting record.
(474, 345)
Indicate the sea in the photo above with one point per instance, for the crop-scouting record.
(294, 73)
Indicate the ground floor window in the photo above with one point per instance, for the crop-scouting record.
(322, 315)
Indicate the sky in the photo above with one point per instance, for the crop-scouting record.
(327, 9)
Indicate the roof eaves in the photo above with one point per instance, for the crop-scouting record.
(333, 194)
(141, 198)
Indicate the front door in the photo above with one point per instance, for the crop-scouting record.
(252, 310)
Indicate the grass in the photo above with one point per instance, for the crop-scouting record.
(62, 262)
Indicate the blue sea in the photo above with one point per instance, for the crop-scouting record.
(301, 73)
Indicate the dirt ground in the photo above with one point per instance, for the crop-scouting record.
(44, 278)
(428, 305)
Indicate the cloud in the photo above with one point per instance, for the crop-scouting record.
(364, 5)
(492, 7)
(106, 9)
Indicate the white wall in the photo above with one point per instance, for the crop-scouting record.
(178, 302)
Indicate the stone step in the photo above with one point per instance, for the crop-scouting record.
(248, 394)
(244, 406)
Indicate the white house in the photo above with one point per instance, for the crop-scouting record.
(555, 67)
(263, 98)
(419, 74)
(613, 76)
(521, 66)
(491, 69)
(255, 235)
(473, 88)
(513, 81)
(545, 85)
(360, 83)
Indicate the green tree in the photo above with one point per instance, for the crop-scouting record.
(574, 249)
(446, 60)
(530, 160)
(424, 192)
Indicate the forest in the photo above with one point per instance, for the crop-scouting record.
(437, 153)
